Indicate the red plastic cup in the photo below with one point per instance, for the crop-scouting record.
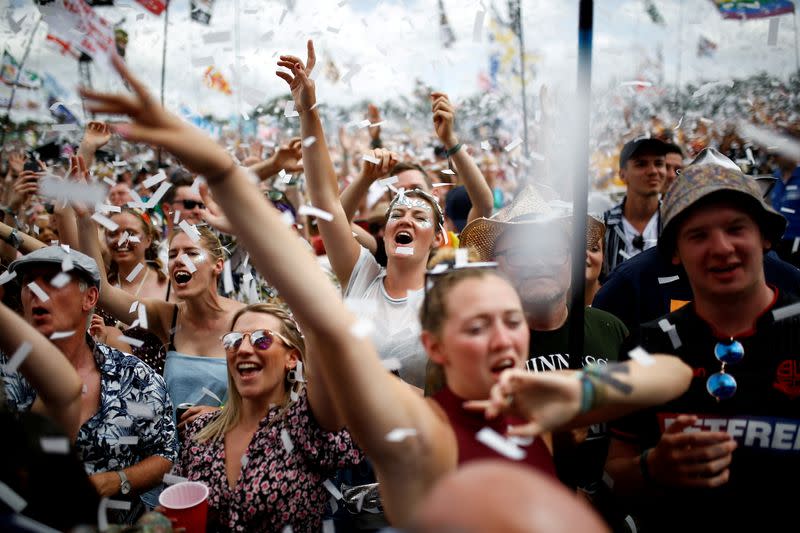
(186, 504)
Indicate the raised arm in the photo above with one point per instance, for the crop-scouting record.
(566, 399)
(286, 157)
(96, 135)
(114, 300)
(342, 249)
(57, 384)
(370, 172)
(480, 194)
(371, 401)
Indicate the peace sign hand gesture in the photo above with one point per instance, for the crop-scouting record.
(300, 83)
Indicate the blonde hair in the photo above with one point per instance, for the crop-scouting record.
(208, 239)
(150, 254)
(229, 417)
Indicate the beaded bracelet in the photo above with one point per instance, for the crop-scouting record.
(452, 151)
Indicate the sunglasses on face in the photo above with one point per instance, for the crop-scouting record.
(721, 385)
(191, 204)
(261, 339)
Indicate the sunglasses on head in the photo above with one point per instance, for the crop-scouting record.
(721, 385)
(261, 339)
(191, 204)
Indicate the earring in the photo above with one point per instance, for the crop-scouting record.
(291, 376)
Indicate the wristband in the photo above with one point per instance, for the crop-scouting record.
(13, 239)
(588, 393)
(644, 467)
(452, 151)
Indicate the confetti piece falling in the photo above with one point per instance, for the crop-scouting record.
(391, 180)
(227, 277)
(288, 445)
(60, 280)
(56, 335)
(668, 279)
(142, 315)
(310, 210)
(477, 26)
(171, 479)
(308, 141)
(16, 502)
(400, 434)
(363, 328)
(210, 393)
(405, 250)
(136, 343)
(104, 221)
(513, 144)
(128, 441)
(18, 357)
(54, 445)
(190, 230)
(500, 444)
(155, 179)
(369, 158)
(786, 312)
(330, 487)
(7, 276)
(37, 290)
(140, 410)
(641, 356)
(133, 273)
(133, 307)
(188, 263)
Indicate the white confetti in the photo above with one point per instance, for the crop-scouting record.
(308, 141)
(668, 279)
(327, 525)
(133, 273)
(29, 524)
(486, 146)
(176, 217)
(187, 261)
(37, 290)
(400, 434)
(18, 357)
(142, 314)
(678, 125)
(310, 210)
(624, 254)
(500, 444)
(206, 61)
(104, 221)
(72, 192)
(190, 230)
(391, 180)
(156, 197)
(513, 144)
(448, 172)
(795, 245)
(289, 110)
(786, 312)
(391, 364)
(7, 276)
(330, 487)
(140, 410)
(287, 441)
(708, 87)
(118, 504)
(363, 124)
(171, 479)
(227, 277)
(405, 250)
(216, 37)
(154, 179)
(462, 257)
(60, 280)
(442, 185)
(56, 335)
(787, 210)
(641, 356)
(54, 445)
(369, 158)
(16, 502)
(109, 182)
(772, 34)
(133, 307)
(128, 441)
(106, 208)
(608, 480)
(672, 331)
(136, 343)
(287, 529)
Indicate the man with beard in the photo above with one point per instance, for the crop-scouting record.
(530, 239)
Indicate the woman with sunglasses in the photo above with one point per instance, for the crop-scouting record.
(134, 242)
(478, 332)
(266, 456)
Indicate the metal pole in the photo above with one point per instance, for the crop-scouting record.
(236, 32)
(796, 47)
(580, 186)
(164, 63)
(16, 81)
(517, 17)
(680, 49)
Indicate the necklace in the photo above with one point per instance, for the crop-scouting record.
(141, 283)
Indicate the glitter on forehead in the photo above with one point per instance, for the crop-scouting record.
(411, 202)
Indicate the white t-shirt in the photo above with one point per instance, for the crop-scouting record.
(650, 235)
(396, 332)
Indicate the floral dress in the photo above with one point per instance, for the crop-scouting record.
(282, 476)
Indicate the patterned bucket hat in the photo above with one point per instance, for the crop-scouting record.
(532, 205)
(713, 173)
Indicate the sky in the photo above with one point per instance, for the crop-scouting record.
(391, 43)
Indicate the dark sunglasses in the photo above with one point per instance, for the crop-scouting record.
(261, 339)
(191, 204)
(721, 385)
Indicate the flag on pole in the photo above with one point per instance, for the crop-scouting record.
(9, 70)
(77, 27)
(738, 9)
(156, 7)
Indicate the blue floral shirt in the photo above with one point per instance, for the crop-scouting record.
(134, 406)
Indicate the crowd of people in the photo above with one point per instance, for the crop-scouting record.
(354, 336)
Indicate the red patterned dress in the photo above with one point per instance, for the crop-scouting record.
(281, 483)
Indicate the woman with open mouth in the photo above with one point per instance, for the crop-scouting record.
(473, 325)
(134, 242)
(194, 368)
(268, 453)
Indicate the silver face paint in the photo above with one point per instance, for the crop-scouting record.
(410, 202)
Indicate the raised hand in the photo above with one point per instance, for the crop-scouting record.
(97, 134)
(254, 153)
(16, 162)
(443, 119)
(25, 186)
(693, 459)
(386, 162)
(300, 83)
(155, 125)
(547, 400)
(289, 155)
(213, 214)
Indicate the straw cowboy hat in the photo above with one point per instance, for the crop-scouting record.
(530, 206)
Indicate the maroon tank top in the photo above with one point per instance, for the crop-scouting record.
(467, 423)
